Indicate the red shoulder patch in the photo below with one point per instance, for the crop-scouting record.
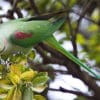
(21, 35)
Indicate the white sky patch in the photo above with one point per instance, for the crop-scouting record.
(59, 36)
(5, 6)
(67, 45)
(67, 82)
(98, 83)
(60, 96)
(58, 67)
(24, 12)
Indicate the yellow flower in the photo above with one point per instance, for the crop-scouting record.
(16, 74)
(15, 79)
(14, 94)
(28, 75)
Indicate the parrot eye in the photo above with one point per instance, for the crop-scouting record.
(21, 35)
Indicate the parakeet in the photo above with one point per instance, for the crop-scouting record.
(21, 34)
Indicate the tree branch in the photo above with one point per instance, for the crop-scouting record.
(49, 15)
(72, 92)
(34, 7)
(72, 69)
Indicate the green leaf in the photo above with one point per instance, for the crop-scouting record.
(42, 74)
(72, 2)
(80, 98)
(3, 91)
(27, 94)
(39, 97)
(23, 4)
(40, 79)
(10, 93)
(1, 67)
(28, 75)
(31, 55)
(3, 96)
(96, 15)
(80, 39)
(43, 4)
(93, 28)
(38, 89)
(16, 58)
(5, 84)
(17, 94)
(94, 47)
(58, 5)
(14, 94)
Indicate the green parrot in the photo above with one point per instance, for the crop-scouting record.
(21, 34)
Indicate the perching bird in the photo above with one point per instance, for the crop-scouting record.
(23, 33)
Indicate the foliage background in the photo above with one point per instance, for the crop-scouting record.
(81, 29)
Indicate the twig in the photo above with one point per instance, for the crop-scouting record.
(43, 68)
(72, 36)
(48, 15)
(15, 2)
(34, 7)
(71, 91)
(87, 79)
(61, 59)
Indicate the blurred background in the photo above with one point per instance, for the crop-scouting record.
(80, 35)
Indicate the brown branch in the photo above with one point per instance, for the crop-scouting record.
(15, 9)
(34, 7)
(85, 10)
(48, 15)
(74, 33)
(85, 17)
(72, 69)
(41, 67)
(72, 92)
(11, 12)
(46, 58)
(72, 37)
(15, 2)
(60, 59)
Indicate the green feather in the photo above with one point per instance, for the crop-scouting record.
(41, 31)
(54, 44)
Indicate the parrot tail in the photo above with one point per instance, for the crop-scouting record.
(54, 44)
